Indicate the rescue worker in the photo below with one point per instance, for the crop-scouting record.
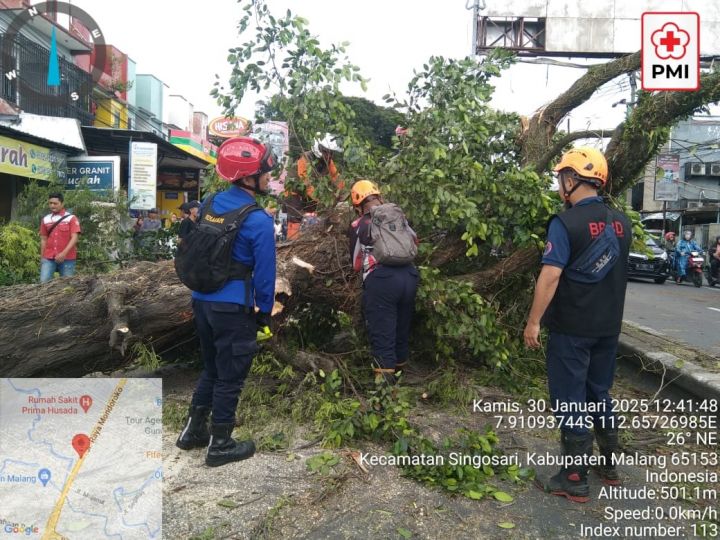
(226, 320)
(682, 254)
(310, 166)
(388, 291)
(584, 320)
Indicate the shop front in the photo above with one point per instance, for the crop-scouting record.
(171, 179)
(21, 161)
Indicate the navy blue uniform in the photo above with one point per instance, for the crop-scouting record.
(584, 319)
(226, 327)
(388, 300)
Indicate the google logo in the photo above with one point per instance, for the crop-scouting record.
(21, 529)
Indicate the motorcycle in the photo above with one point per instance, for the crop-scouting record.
(693, 270)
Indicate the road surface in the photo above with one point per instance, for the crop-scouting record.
(683, 312)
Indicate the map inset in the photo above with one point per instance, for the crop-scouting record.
(81, 458)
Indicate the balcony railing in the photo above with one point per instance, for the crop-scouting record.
(29, 90)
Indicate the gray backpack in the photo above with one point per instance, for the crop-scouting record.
(393, 240)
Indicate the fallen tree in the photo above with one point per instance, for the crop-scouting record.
(472, 180)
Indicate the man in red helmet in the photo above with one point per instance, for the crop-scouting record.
(580, 296)
(226, 318)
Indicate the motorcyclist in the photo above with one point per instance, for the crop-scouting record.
(682, 254)
(715, 259)
(670, 240)
(310, 166)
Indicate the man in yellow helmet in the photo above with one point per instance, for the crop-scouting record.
(579, 296)
(389, 287)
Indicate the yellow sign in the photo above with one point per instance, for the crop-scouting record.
(29, 160)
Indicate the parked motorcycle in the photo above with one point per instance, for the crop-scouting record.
(693, 270)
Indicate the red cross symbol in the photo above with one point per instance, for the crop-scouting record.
(670, 41)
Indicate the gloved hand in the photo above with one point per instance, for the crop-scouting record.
(263, 326)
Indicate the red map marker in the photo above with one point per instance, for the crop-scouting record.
(85, 402)
(81, 443)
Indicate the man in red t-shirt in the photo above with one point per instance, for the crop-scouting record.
(59, 232)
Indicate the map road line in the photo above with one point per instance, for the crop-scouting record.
(50, 532)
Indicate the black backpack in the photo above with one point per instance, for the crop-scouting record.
(204, 260)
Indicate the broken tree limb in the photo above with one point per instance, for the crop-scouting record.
(538, 137)
(637, 141)
(566, 139)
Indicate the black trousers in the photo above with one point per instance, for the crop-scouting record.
(580, 372)
(228, 343)
(388, 305)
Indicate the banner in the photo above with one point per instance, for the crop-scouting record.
(29, 160)
(667, 177)
(98, 173)
(143, 176)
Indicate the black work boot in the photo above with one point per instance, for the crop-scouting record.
(224, 449)
(571, 481)
(195, 434)
(607, 441)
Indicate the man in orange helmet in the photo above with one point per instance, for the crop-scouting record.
(388, 290)
(579, 296)
(310, 166)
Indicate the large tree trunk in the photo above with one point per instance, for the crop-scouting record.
(74, 326)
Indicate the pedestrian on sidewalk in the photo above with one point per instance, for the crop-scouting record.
(580, 296)
(389, 287)
(225, 319)
(59, 234)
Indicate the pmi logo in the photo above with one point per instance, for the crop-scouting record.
(670, 51)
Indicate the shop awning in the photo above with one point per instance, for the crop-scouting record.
(49, 131)
(116, 142)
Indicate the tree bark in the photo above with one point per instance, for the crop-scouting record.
(537, 139)
(70, 327)
(638, 140)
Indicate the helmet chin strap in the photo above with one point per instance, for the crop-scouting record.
(567, 194)
(255, 187)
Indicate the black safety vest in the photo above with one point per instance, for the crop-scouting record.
(591, 309)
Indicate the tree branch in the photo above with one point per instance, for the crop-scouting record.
(636, 141)
(566, 139)
(537, 139)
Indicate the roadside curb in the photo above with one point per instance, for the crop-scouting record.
(649, 350)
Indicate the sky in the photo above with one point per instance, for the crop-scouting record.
(185, 44)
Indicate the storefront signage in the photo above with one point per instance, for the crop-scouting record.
(29, 160)
(178, 179)
(227, 127)
(96, 173)
(143, 175)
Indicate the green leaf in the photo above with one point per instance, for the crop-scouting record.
(227, 503)
(502, 496)
(506, 525)
(404, 533)
(475, 495)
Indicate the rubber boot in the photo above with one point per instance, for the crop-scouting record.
(195, 434)
(224, 449)
(607, 441)
(571, 482)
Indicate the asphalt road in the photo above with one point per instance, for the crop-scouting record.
(683, 312)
